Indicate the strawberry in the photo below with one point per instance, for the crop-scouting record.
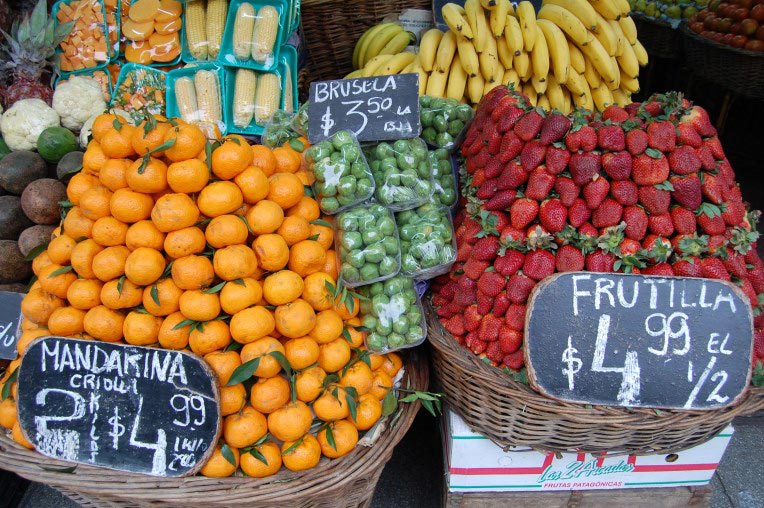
(480, 159)
(596, 191)
(493, 351)
(529, 125)
(515, 361)
(583, 166)
(712, 189)
(465, 297)
(578, 213)
(509, 263)
(509, 340)
(647, 170)
(661, 135)
(474, 147)
(532, 155)
(474, 268)
(586, 231)
(684, 160)
(735, 264)
(688, 136)
(663, 269)
(734, 214)
(471, 230)
(501, 304)
(688, 267)
(540, 183)
(554, 128)
(713, 268)
(501, 200)
(493, 168)
(491, 283)
(726, 173)
(625, 192)
(756, 276)
(499, 105)
(582, 138)
(617, 165)
(732, 194)
(478, 178)
(636, 142)
(499, 96)
(615, 114)
(512, 177)
(474, 344)
(556, 159)
(607, 214)
(707, 160)
(715, 244)
(519, 287)
(522, 212)
(629, 247)
(539, 264)
(494, 142)
(455, 325)
(484, 303)
(636, 222)
(758, 345)
(710, 220)
(600, 261)
(661, 224)
(510, 147)
(487, 189)
(509, 234)
(683, 221)
(654, 200)
(471, 318)
(567, 189)
(448, 290)
(687, 191)
(515, 316)
(569, 259)
(485, 248)
(715, 146)
(443, 311)
(611, 138)
(509, 119)
(553, 215)
(699, 120)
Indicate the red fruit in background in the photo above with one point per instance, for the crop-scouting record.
(522, 212)
(615, 114)
(739, 41)
(600, 261)
(471, 318)
(553, 215)
(493, 352)
(511, 145)
(647, 170)
(617, 165)
(723, 25)
(556, 160)
(491, 283)
(684, 160)
(487, 189)
(515, 316)
(636, 220)
(473, 269)
(625, 192)
(596, 191)
(569, 259)
(735, 28)
(501, 200)
(760, 33)
(519, 287)
(661, 135)
(758, 344)
(687, 191)
(756, 44)
(636, 141)
(509, 263)
(748, 27)
(660, 225)
(501, 304)
(484, 303)
(607, 214)
(654, 200)
(509, 340)
(515, 361)
(529, 125)
(683, 220)
(555, 126)
(583, 166)
(740, 14)
(757, 13)
(584, 139)
(540, 183)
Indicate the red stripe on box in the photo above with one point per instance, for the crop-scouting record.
(474, 471)
(678, 467)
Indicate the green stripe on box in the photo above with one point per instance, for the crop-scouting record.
(680, 482)
(494, 487)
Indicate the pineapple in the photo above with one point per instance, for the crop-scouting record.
(30, 49)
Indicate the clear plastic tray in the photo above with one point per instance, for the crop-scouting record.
(151, 47)
(71, 47)
(148, 95)
(227, 55)
(402, 173)
(253, 128)
(444, 188)
(444, 121)
(428, 243)
(173, 108)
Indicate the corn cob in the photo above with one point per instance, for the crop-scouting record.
(265, 32)
(208, 96)
(288, 97)
(267, 97)
(243, 28)
(195, 29)
(216, 15)
(185, 97)
(244, 97)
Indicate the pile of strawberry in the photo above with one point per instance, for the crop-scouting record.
(641, 189)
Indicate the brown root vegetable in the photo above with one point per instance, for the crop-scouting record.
(19, 169)
(34, 236)
(12, 218)
(40, 200)
(13, 266)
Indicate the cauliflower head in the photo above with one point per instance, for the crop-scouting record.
(22, 124)
(76, 100)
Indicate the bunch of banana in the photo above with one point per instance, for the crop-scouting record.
(379, 40)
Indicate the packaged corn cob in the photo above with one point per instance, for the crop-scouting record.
(196, 94)
(254, 33)
(254, 99)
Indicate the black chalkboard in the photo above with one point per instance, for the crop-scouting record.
(374, 109)
(139, 409)
(638, 340)
(10, 323)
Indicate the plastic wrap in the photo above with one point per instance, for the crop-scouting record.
(368, 245)
(444, 121)
(402, 173)
(152, 32)
(393, 314)
(86, 47)
(279, 130)
(252, 99)
(196, 94)
(300, 120)
(444, 190)
(254, 34)
(140, 90)
(428, 243)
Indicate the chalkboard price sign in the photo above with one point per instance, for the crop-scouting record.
(10, 323)
(638, 340)
(138, 409)
(374, 109)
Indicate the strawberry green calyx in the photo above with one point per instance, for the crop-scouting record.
(659, 251)
(742, 239)
(709, 209)
(488, 221)
(610, 241)
(540, 239)
(568, 235)
(693, 246)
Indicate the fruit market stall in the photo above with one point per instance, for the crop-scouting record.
(231, 292)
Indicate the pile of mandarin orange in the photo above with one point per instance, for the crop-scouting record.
(229, 260)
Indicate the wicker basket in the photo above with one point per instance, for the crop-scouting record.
(331, 29)
(659, 39)
(346, 482)
(512, 414)
(737, 70)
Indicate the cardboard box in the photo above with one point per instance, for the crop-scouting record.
(475, 464)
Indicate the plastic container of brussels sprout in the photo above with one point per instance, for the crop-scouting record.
(300, 120)
(367, 242)
(444, 121)
(428, 243)
(343, 178)
(444, 190)
(392, 311)
(402, 173)
(279, 130)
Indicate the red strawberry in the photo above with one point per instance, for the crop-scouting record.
(489, 328)
(756, 276)
(494, 142)
(582, 138)
(600, 261)
(663, 269)
(735, 264)
(466, 284)
(493, 168)
(587, 230)
(687, 191)
(611, 138)
(647, 170)
(448, 290)
(699, 120)
(596, 191)
(493, 351)
(485, 248)
(471, 318)
(734, 214)
(532, 155)
(688, 136)
(501, 304)
(707, 160)
(529, 125)
(522, 212)
(540, 183)
(474, 344)
(661, 135)
(660, 225)
(484, 303)
(636, 141)
(636, 222)
(480, 159)
(554, 128)
(478, 178)
(617, 165)
(578, 213)
(501, 200)
(509, 234)
(471, 230)
(654, 200)
(615, 114)
(689, 267)
(499, 106)
(491, 283)
(684, 160)
(607, 214)
(515, 361)
(512, 177)
(569, 259)
(629, 247)
(515, 316)
(732, 194)
(710, 222)
(463, 252)
(510, 147)
(716, 147)
(583, 166)
(510, 118)
(712, 189)
(556, 160)
(474, 268)
(553, 215)
(713, 268)
(487, 189)
(509, 263)
(455, 325)
(683, 220)
(509, 340)
(465, 297)
(567, 189)
(715, 244)
(625, 192)
(519, 287)
(758, 345)
(539, 264)
(726, 173)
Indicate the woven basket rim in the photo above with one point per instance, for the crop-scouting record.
(703, 40)
(638, 16)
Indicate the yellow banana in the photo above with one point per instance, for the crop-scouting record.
(628, 62)
(606, 8)
(607, 38)
(585, 100)
(543, 102)
(576, 58)
(397, 44)
(540, 56)
(554, 94)
(558, 49)
(453, 15)
(375, 63)
(457, 80)
(395, 65)
(565, 19)
(591, 75)
(475, 86)
(540, 85)
(428, 47)
(513, 35)
(629, 83)
(615, 83)
(619, 37)
(488, 4)
(498, 16)
(623, 6)
(522, 63)
(640, 53)
(505, 55)
(490, 67)
(411, 68)
(576, 83)
(355, 74)
(423, 78)
(359, 44)
(629, 29)
(379, 41)
(446, 52)
(476, 18)
(580, 9)
(363, 45)
(602, 96)
(621, 98)
(490, 86)
(526, 16)
(468, 57)
(567, 101)
(511, 78)
(436, 84)
(531, 93)
(599, 58)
